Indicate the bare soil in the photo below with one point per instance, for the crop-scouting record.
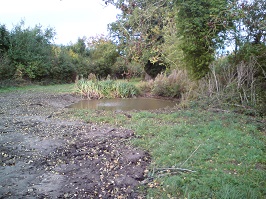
(45, 156)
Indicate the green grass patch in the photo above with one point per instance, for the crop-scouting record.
(57, 88)
(226, 151)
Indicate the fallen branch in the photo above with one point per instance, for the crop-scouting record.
(161, 172)
(217, 110)
(174, 169)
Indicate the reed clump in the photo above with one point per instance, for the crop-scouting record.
(96, 89)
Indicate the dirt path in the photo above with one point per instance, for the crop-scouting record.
(43, 156)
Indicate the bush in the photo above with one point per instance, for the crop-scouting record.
(146, 86)
(103, 55)
(122, 69)
(63, 69)
(173, 85)
(6, 69)
(30, 51)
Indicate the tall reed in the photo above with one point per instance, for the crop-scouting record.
(105, 89)
(88, 89)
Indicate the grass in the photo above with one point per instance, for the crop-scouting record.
(58, 88)
(226, 150)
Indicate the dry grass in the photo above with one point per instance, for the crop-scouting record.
(177, 85)
(235, 85)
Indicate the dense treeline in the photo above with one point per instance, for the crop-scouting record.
(29, 54)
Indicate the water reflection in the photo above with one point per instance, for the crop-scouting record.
(124, 104)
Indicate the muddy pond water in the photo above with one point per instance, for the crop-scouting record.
(124, 104)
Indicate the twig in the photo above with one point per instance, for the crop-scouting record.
(161, 172)
(218, 110)
(191, 155)
(174, 169)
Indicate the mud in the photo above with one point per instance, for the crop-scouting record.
(45, 156)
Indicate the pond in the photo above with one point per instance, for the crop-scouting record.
(124, 104)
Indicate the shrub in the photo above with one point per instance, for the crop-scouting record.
(6, 69)
(146, 86)
(174, 85)
(92, 77)
(30, 51)
(237, 86)
(103, 55)
(123, 69)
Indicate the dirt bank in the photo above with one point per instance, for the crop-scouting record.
(43, 156)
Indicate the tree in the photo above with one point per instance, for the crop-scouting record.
(254, 20)
(139, 31)
(199, 24)
(64, 68)
(80, 46)
(248, 31)
(102, 56)
(4, 39)
(30, 51)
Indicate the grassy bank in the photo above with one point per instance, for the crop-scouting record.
(196, 153)
(222, 153)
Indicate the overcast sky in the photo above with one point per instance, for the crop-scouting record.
(70, 18)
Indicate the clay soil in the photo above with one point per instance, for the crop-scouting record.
(43, 155)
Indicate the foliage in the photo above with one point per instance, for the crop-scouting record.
(126, 70)
(103, 55)
(63, 68)
(28, 54)
(153, 69)
(176, 85)
(30, 51)
(5, 70)
(107, 88)
(253, 20)
(88, 89)
(78, 55)
(80, 47)
(164, 86)
(247, 24)
(139, 31)
(145, 86)
(188, 34)
(4, 39)
(199, 36)
(248, 51)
